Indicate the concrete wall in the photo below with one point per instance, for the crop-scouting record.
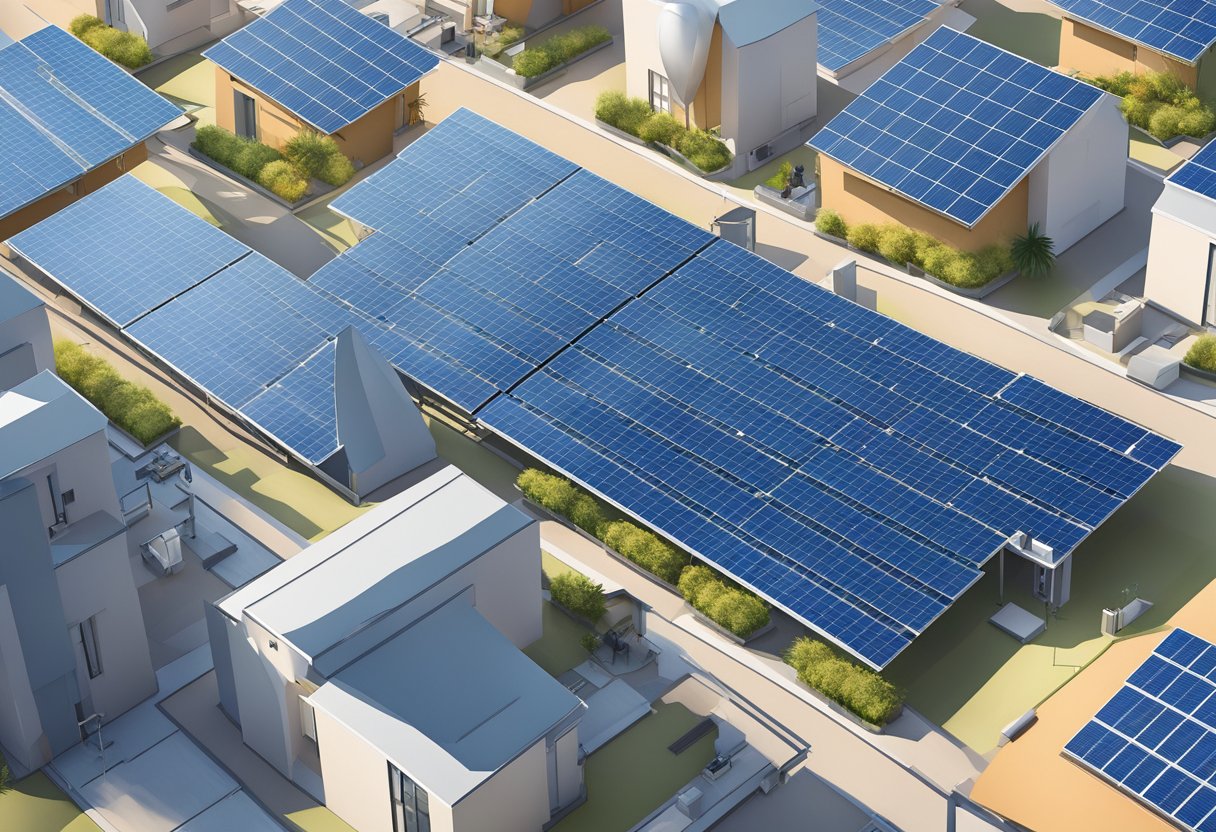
(96, 178)
(83, 468)
(1092, 51)
(859, 201)
(20, 726)
(516, 799)
(569, 772)
(356, 778)
(1177, 274)
(1081, 183)
(25, 347)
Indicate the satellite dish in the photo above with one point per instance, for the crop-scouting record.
(685, 30)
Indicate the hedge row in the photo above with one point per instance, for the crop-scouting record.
(494, 45)
(1202, 354)
(737, 610)
(557, 50)
(125, 48)
(579, 594)
(1160, 103)
(305, 156)
(859, 690)
(131, 406)
(902, 245)
(635, 117)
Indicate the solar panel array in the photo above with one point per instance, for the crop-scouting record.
(851, 29)
(1184, 29)
(956, 124)
(1156, 739)
(322, 60)
(298, 410)
(1198, 174)
(64, 109)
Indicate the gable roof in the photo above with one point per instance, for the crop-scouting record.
(1182, 29)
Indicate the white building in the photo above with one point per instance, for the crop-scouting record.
(380, 669)
(1182, 248)
(25, 334)
(172, 26)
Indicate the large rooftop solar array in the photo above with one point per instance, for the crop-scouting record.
(1198, 174)
(1184, 29)
(64, 110)
(322, 60)
(851, 470)
(851, 29)
(956, 124)
(1156, 739)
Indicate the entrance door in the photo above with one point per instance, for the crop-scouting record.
(1209, 292)
(114, 13)
(246, 115)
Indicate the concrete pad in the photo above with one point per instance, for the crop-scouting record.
(1017, 622)
(160, 789)
(237, 811)
(128, 736)
(609, 712)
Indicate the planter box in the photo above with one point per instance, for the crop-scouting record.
(846, 713)
(250, 184)
(727, 634)
(164, 437)
(619, 133)
(677, 156)
(508, 75)
(1197, 373)
(802, 208)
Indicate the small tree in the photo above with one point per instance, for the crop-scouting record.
(1034, 253)
(589, 642)
(579, 594)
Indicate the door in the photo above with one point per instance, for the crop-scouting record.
(1209, 291)
(114, 13)
(245, 111)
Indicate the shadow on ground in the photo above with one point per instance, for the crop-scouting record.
(1033, 35)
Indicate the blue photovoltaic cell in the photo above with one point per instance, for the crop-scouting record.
(176, 253)
(1156, 738)
(1183, 29)
(956, 124)
(65, 109)
(322, 60)
(851, 29)
(298, 409)
(1198, 174)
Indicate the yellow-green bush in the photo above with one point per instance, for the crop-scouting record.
(781, 178)
(557, 50)
(585, 512)
(897, 244)
(661, 128)
(733, 608)
(283, 180)
(579, 594)
(82, 23)
(553, 493)
(1160, 103)
(622, 112)
(1202, 354)
(635, 117)
(131, 406)
(644, 548)
(125, 48)
(318, 157)
(858, 689)
(830, 222)
(864, 237)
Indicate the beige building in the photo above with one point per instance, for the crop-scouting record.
(1182, 247)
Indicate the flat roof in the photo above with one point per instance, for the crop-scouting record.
(449, 701)
(15, 299)
(39, 417)
(749, 21)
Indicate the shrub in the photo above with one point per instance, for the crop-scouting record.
(622, 112)
(1160, 103)
(1202, 353)
(579, 594)
(861, 691)
(731, 607)
(661, 128)
(251, 156)
(532, 62)
(546, 490)
(83, 23)
(644, 549)
(781, 178)
(126, 48)
(283, 180)
(216, 143)
(704, 149)
(337, 171)
(317, 157)
(897, 244)
(131, 406)
(830, 222)
(1033, 252)
(590, 642)
(585, 512)
(864, 237)
(240, 155)
(558, 49)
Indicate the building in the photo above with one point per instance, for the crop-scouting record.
(531, 14)
(319, 65)
(170, 28)
(743, 67)
(380, 669)
(972, 144)
(1181, 249)
(72, 121)
(1102, 37)
(25, 334)
(73, 648)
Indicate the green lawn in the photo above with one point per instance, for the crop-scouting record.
(558, 648)
(35, 804)
(187, 80)
(1032, 35)
(634, 774)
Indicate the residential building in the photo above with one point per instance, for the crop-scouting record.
(380, 669)
(177, 25)
(972, 145)
(73, 649)
(322, 66)
(533, 14)
(25, 334)
(1182, 247)
(72, 121)
(744, 67)
(1103, 37)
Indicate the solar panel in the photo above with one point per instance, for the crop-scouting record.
(297, 411)
(322, 60)
(1184, 29)
(956, 124)
(1198, 173)
(851, 29)
(1156, 738)
(64, 109)
(178, 251)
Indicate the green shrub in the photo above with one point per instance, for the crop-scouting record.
(125, 48)
(731, 607)
(1160, 103)
(661, 128)
(546, 490)
(240, 155)
(216, 143)
(830, 222)
(897, 244)
(337, 171)
(495, 44)
(83, 23)
(644, 549)
(855, 688)
(781, 178)
(579, 594)
(935, 259)
(318, 157)
(1202, 353)
(283, 180)
(251, 156)
(585, 512)
(131, 406)
(1119, 84)
(1034, 252)
(622, 112)
(590, 642)
(864, 237)
(704, 149)
(532, 62)
(557, 50)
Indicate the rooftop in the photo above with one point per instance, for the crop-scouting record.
(1182, 29)
(1198, 174)
(851, 29)
(40, 417)
(15, 299)
(749, 21)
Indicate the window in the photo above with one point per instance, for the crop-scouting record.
(660, 93)
(92, 654)
(411, 803)
(308, 719)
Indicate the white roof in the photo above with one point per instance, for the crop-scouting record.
(1188, 207)
(749, 21)
(40, 417)
(15, 299)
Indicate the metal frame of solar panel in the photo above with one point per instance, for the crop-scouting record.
(956, 124)
(1156, 738)
(1182, 29)
(322, 60)
(174, 255)
(64, 110)
(298, 411)
(1198, 174)
(849, 30)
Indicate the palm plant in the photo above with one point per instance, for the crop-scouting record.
(1034, 252)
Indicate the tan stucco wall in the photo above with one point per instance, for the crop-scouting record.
(707, 103)
(355, 776)
(1091, 51)
(858, 200)
(96, 178)
(366, 139)
(1177, 274)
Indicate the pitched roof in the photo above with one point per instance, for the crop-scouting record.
(1183, 29)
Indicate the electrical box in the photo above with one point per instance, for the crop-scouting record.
(1053, 586)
